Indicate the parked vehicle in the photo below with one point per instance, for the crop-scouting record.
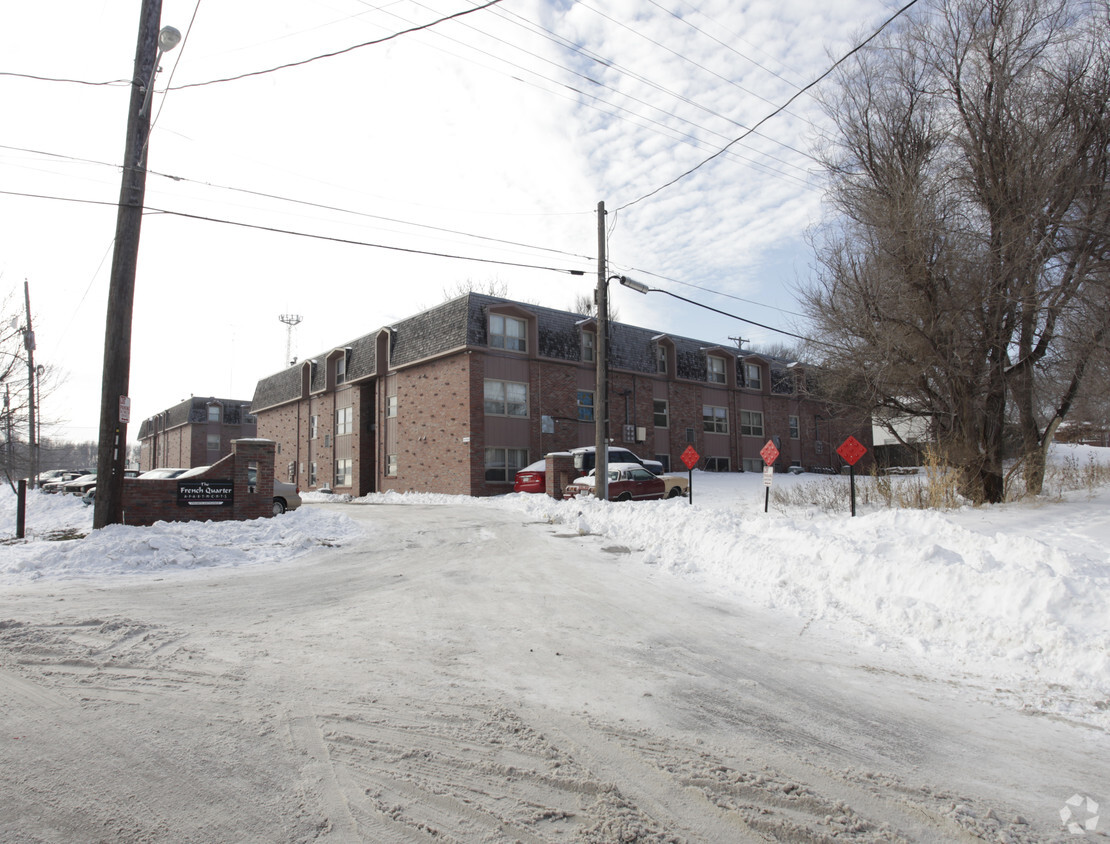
(80, 485)
(48, 476)
(58, 484)
(161, 474)
(627, 482)
(532, 478)
(584, 459)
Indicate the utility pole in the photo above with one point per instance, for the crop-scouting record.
(114, 400)
(601, 397)
(29, 345)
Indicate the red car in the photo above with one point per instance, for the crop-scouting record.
(627, 482)
(532, 478)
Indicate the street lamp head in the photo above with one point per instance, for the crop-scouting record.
(168, 38)
(632, 284)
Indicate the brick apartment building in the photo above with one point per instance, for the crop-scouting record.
(195, 432)
(458, 398)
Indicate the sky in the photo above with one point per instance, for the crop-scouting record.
(316, 190)
(998, 597)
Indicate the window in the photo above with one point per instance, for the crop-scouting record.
(313, 426)
(213, 442)
(213, 413)
(795, 432)
(390, 407)
(506, 398)
(664, 459)
(343, 472)
(391, 465)
(660, 413)
(753, 464)
(661, 359)
(714, 419)
(715, 369)
(752, 376)
(751, 423)
(716, 464)
(341, 369)
(502, 464)
(585, 406)
(589, 340)
(508, 333)
(690, 435)
(344, 420)
(312, 474)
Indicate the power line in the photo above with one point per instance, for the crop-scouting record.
(774, 113)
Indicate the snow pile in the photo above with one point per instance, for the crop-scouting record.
(120, 549)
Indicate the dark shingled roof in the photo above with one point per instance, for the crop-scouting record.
(462, 322)
(195, 409)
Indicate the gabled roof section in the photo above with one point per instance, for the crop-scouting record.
(193, 410)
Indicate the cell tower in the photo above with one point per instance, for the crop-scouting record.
(290, 320)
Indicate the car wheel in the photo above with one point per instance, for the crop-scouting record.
(624, 496)
(675, 492)
(279, 506)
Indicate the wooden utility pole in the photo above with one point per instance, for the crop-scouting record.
(29, 345)
(114, 401)
(601, 397)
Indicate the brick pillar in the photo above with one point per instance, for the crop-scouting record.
(560, 472)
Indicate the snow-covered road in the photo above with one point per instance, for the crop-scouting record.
(466, 674)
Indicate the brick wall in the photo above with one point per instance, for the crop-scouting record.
(148, 501)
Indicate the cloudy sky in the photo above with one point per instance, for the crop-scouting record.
(316, 189)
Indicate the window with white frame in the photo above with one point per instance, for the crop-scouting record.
(502, 464)
(795, 430)
(391, 465)
(312, 474)
(343, 471)
(341, 369)
(659, 413)
(213, 442)
(661, 359)
(313, 426)
(344, 420)
(589, 342)
(506, 332)
(691, 435)
(751, 423)
(506, 398)
(753, 376)
(390, 407)
(585, 406)
(213, 413)
(753, 464)
(716, 464)
(714, 419)
(715, 369)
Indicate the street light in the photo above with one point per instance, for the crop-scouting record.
(115, 404)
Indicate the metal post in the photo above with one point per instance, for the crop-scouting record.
(112, 448)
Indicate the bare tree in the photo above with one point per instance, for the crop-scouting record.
(969, 171)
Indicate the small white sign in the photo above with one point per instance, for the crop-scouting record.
(768, 474)
(125, 409)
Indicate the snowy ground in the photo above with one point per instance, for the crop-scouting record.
(417, 668)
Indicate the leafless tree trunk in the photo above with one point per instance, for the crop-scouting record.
(969, 173)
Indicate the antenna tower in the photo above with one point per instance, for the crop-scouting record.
(290, 320)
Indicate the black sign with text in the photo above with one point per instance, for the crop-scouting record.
(205, 493)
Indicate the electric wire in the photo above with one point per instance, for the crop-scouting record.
(777, 111)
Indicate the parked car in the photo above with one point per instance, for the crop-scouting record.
(80, 485)
(48, 476)
(287, 496)
(627, 482)
(161, 474)
(585, 457)
(532, 478)
(58, 484)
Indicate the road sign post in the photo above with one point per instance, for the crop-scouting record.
(851, 450)
(690, 458)
(770, 454)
